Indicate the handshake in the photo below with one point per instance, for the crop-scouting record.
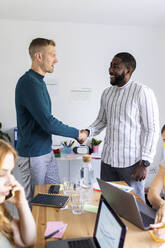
(83, 135)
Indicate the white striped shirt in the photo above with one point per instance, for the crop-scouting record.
(131, 117)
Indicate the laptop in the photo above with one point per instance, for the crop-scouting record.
(127, 206)
(109, 231)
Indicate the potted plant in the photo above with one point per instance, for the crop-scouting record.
(95, 145)
(4, 135)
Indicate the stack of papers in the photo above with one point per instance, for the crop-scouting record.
(120, 186)
(123, 187)
(96, 155)
(53, 226)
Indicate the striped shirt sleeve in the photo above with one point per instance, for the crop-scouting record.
(149, 114)
(101, 121)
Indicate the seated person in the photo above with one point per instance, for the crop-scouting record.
(20, 232)
(155, 199)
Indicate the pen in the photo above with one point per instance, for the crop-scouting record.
(51, 234)
(72, 143)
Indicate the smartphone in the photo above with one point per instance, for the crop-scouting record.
(9, 195)
(54, 189)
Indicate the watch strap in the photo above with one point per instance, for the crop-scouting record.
(146, 163)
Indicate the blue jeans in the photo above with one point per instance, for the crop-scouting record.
(109, 173)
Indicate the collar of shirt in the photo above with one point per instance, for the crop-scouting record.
(124, 86)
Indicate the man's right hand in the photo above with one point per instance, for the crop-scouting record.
(83, 135)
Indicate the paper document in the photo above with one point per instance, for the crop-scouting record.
(123, 187)
(96, 155)
(120, 186)
(53, 226)
(90, 208)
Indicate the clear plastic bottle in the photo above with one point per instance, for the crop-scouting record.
(86, 179)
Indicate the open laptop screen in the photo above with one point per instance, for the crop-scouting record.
(110, 230)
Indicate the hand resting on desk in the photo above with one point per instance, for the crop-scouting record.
(159, 226)
(158, 231)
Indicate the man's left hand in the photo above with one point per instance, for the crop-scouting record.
(140, 172)
(83, 135)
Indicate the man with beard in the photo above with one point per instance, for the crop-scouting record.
(129, 112)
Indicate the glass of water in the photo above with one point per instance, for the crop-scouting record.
(67, 187)
(77, 202)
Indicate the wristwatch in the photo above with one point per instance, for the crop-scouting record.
(146, 163)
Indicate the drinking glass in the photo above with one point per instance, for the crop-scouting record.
(77, 202)
(67, 187)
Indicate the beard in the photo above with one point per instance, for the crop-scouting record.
(118, 79)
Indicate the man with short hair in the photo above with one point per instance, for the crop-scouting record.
(35, 122)
(129, 112)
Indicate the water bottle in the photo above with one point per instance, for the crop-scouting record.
(86, 178)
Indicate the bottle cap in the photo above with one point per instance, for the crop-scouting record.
(86, 158)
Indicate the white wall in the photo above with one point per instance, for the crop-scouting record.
(84, 52)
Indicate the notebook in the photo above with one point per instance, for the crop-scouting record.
(109, 231)
(50, 200)
(127, 206)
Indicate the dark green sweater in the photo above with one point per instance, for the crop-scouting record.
(34, 119)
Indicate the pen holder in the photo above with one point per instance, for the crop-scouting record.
(67, 149)
(57, 153)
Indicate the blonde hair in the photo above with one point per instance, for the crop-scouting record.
(5, 224)
(6, 148)
(37, 44)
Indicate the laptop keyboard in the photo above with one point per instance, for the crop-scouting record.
(147, 220)
(84, 243)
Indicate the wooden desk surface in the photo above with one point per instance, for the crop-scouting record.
(83, 225)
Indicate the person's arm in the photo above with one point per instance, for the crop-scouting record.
(149, 116)
(34, 99)
(154, 195)
(24, 228)
(156, 201)
(101, 121)
(156, 188)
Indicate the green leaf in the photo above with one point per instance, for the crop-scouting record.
(95, 142)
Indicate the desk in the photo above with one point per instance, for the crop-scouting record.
(83, 225)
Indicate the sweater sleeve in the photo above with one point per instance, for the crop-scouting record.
(34, 99)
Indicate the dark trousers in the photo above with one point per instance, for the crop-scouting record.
(109, 173)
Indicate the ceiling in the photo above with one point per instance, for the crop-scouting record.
(108, 12)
